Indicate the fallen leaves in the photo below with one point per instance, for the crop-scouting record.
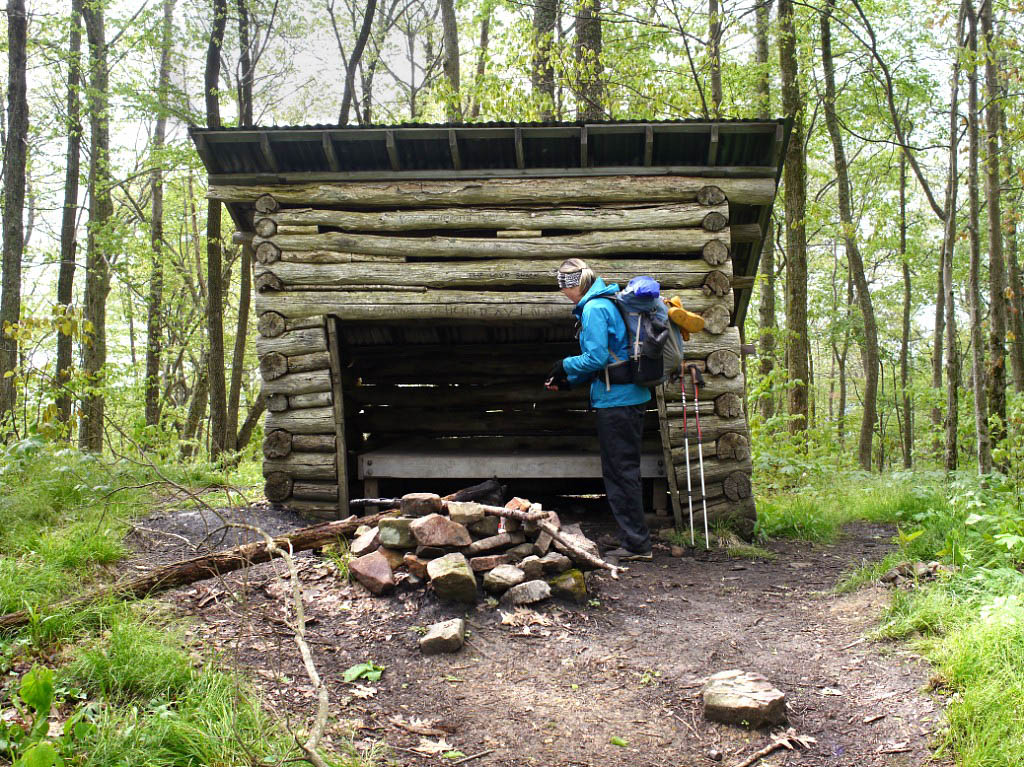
(429, 747)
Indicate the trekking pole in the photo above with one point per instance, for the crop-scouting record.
(698, 380)
(686, 449)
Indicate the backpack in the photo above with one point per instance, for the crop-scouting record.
(654, 344)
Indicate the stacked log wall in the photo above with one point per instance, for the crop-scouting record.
(448, 319)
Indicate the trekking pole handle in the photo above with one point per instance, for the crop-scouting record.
(696, 375)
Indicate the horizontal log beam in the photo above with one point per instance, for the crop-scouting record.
(500, 273)
(589, 245)
(671, 216)
(316, 420)
(441, 304)
(303, 466)
(712, 428)
(502, 191)
(296, 342)
(299, 383)
(316, 491)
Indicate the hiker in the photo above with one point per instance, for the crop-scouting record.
(619, 404)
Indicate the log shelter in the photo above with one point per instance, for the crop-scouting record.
(407, 308)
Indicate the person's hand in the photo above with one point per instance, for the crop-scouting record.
(557, 380)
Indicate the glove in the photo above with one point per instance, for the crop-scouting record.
(557, 378)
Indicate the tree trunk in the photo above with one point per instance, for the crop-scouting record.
(245, 110)
(196, 406)
(481, 59)
(589, 91)
(951, 454)
(154, 308)
(715, 57)
(353, 59)
(937, 341)
(14, 168)
(795, 177)
(843, 357)
(542, 76)
(1015, 320)
(984, 446)
(766, 308)
(908, 421)
(69, 215)
(996, 371)
(214, 268)
(101, 209)
(450, 60)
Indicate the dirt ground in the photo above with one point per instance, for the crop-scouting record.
(553, 686)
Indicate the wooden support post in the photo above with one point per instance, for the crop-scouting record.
(341, 449)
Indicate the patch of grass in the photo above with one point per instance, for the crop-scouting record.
(868, 572)
(750, 551)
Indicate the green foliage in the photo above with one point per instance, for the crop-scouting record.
(369, 671)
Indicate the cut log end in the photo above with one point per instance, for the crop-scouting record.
(737, 486)
(267, 227)
(271, 324)
(714, 222)
(723, 362)
(715, 252)
(267, 253)
(710, 195)
(278, 487)
(277, 403)
(266, 203)
(716, 319)
(716, 284)
(728, 405)
(273, 365)
(733, 446)
(266, 281)
(277, 444)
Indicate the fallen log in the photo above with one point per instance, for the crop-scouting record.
(206, 566)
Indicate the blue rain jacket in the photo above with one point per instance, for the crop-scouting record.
(603, 329)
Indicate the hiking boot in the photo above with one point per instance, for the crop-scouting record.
(625, 555)
(609, 541)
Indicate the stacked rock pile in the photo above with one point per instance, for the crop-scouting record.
(457, 547)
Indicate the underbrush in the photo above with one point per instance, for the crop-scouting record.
(124, 685)
(968, 622)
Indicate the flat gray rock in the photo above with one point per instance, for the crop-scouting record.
(743, 697)
(502, 578)
(396, 532)
(447, 636)
(527, 593)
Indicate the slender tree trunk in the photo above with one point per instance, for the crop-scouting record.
(450, 60)
(196, 406)
(766, 310)
(154, 308)
(481, 59)
(715, 56)
(984, 446)
(996, 372)
(842, 364)
(542, 77)
(951, 453)
(589, 91)
(245, 110)
(214, 268)
(15, 161)
(69, 214)
(1015, 319)
(937, 341)
(908, 424)
(353, 59)
(795, 179)
(101, 210)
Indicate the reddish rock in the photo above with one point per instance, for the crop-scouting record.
(421, 504)
(483, 564)
(415, 565)
(496, 542)
(373, 571)
(518, 504)
(394, 557)
(439, 531)
(365, 543)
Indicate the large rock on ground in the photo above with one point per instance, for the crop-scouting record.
(421, 504)
(555, 563)
(569, 585)
(395, 557)
(483, 564)
(743, 697)
(373, 571)
(527, 593)
(465, 513)
(396, 532)
(415, 565)
(502, 578)
(437, 530)
(523, 550)
(452, 579)
(532, 566)
(486, 527)
(365, 543)
(447, 636)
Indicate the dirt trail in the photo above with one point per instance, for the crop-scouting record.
(555, 688)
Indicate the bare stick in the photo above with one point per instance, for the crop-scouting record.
(580, 554)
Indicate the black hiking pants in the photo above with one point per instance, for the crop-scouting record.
(620, 432)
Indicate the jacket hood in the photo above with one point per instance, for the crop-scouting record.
(598, 290)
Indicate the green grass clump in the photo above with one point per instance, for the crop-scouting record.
(749, 551)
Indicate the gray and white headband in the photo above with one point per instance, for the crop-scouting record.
(570, 279)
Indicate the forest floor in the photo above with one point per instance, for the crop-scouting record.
(553, 686)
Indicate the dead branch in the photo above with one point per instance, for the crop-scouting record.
(788, 739)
